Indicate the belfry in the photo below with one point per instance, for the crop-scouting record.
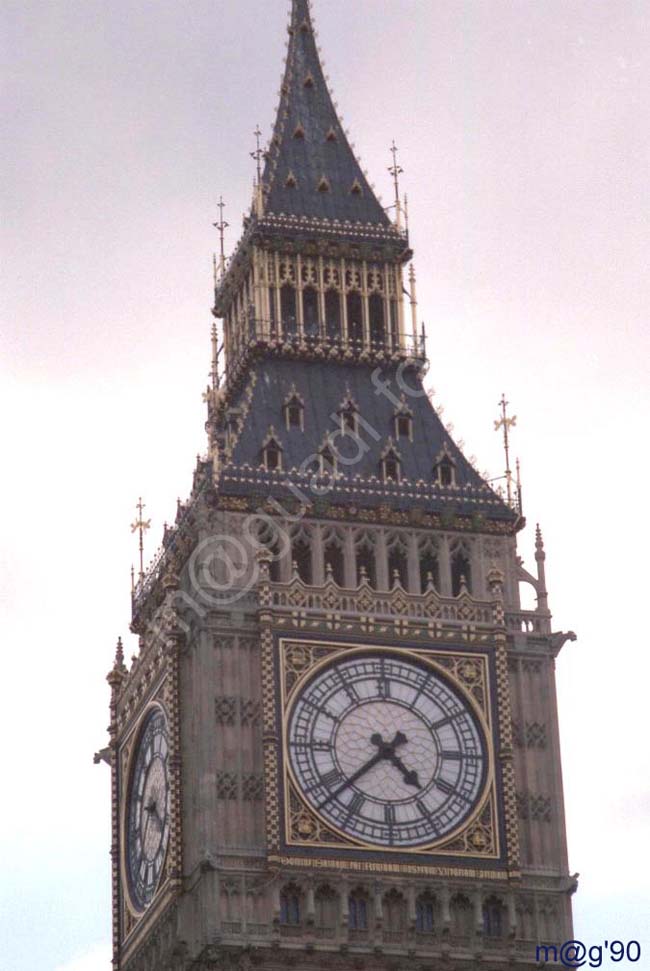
(337, 744)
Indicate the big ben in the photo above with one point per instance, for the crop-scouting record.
(337, 745)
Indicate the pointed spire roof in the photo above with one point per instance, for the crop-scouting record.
(311, 170)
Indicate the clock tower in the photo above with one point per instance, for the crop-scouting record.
(337, 744)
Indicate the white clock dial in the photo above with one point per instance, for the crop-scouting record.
(385, 750)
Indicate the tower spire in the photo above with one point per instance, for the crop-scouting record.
(141, 526)
(311, 170)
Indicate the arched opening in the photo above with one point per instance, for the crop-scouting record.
(326, 907)
(376, 316)
(429, 570)
(394, 327)
(290, 905)
(394, 911)
(335, 563)
(397, 566)
(460, 569)
(365, 564)
(288, 310)
(424, 914)
(310, 315)
(493, 917)
(333, 314)
(355, 318)
(461, 916)
(301, 556)
(358, 911)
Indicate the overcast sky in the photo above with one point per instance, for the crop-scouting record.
(523, 129)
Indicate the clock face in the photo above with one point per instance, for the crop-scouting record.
(147, 819)
(386, 751)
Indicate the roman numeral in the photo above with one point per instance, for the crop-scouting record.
(452, 756)
(449, 790)
(389, 815)
(356, 804)
(331, 778)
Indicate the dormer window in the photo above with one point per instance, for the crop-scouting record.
(327, 461)
(403, 425)
(272, 452)
(391, 466)
(294, 411)
(444, 470)
(349, 413)
(444, 473)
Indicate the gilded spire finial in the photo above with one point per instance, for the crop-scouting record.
(506, 423)
(221, 227)
(141, 525)
(396, 170)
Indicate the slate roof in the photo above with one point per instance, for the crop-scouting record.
(309, 144)
(323, 388)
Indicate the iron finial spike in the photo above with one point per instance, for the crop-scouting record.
(396, 170)
(506, 423)
(221, 227)
(141, 525)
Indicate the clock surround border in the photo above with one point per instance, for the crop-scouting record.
(495, 795)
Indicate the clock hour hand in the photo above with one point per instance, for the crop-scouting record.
(387, 751)
(409, 776)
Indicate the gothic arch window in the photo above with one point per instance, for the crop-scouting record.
(397, 563)
(333, 314)
(294, 411)
(310, 315)
(355, 317)
(429, 566)
(425, 914)
(272, 453)
(290, 909)
(326, 906)
(288, 310)
(391, 465)
(271, 535)
(404, 427)
(365, 561)
(358, 911)
(394, 323)
(301, 556)
(461, 916)
(334, 559)
(461, 569)
(493, 917)
(376, 317)
(394, 911)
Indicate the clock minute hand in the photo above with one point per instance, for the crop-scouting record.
(353, 778)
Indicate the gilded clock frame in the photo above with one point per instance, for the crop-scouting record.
(478, 840)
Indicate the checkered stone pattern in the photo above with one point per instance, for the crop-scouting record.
(535, 735)
(225, 710)
(253, 788)
(532, 806)
(271, 783)
(507, 767)
(227, 785)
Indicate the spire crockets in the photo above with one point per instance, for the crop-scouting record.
(311, 170)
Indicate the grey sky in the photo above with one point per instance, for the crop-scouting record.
(523, 128)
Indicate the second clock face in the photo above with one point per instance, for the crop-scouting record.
(148, 811)
(386, 751)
